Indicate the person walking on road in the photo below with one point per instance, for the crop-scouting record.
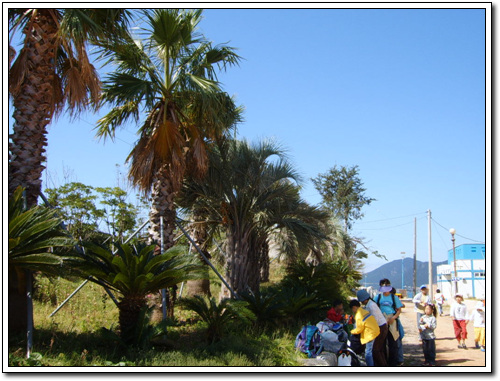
(478, 318)
(379, 351)
(439, 298)
(458, 313)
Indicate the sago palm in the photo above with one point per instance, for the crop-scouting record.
(35, 235)
(219, 317)
(134, 272)
(168, 75)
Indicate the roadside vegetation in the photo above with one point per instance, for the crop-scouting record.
(227, 224)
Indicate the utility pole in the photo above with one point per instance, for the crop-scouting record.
(430, 253)
(415, 258)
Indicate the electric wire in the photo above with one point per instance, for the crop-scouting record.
(461, 236)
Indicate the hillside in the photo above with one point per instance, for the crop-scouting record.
(392, 271)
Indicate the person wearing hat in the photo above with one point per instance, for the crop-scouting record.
(458, 313)
(378, 352)
(478, 317)
(421, 300)
(390, 305)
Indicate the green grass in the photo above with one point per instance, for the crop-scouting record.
(74, 337)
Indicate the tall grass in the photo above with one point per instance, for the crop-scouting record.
(74, 337)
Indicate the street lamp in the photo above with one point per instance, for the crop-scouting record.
(452, 232)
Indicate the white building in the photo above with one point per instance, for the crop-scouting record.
(471, 272)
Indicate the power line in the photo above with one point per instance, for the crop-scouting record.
(470, 239)
(388, 219)
(395, 226)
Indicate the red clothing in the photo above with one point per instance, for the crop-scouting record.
(460, 328)
(333, 315)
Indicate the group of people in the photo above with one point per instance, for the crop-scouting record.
(376, 321)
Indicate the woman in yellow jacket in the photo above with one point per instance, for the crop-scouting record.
(367, 327)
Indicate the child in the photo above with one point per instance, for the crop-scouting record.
(458, 313)
(367, 327)
(479, 326)
(439, 298)
(426, 328)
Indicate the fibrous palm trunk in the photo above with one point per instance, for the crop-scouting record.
(241, 264)
(33, 109)
(163, 205)
(32, 103)
(199, 232)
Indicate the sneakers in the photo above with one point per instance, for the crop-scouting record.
(483, 349)
(462, 346)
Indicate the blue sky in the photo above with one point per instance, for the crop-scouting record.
(400, 93)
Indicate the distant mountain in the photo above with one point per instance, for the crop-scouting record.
(392, 271)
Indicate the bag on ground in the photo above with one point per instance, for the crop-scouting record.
(309, 341)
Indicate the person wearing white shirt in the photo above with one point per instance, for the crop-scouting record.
(421, 300)
(478, 318)
(458, 313)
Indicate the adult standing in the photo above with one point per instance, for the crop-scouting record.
(390, 305)
(421, 300)
(458, 313)
(379, 352)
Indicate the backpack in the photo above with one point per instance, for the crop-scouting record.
(309, 341)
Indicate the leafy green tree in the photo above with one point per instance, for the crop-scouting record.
(170, 76)
(76, 203)
(134, 272)
(343, 193)
(120, 215)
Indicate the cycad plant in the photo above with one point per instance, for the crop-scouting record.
(266, 306)
(35, 240)
(221, 317)
(135, 272)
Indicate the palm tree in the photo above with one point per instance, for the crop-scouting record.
(248, 193)
(51, 72)
(134, 272)
(171, 74)
(32, 233)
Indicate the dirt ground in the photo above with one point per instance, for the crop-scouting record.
(447, 353)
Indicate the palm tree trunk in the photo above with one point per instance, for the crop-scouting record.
(238, 266)
(264, 262)
(32, 103)
(33, 109)
(199, 234)
(163, 205)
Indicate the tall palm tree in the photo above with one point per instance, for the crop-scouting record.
(52, 71)
(170, 74)
(248, 193)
